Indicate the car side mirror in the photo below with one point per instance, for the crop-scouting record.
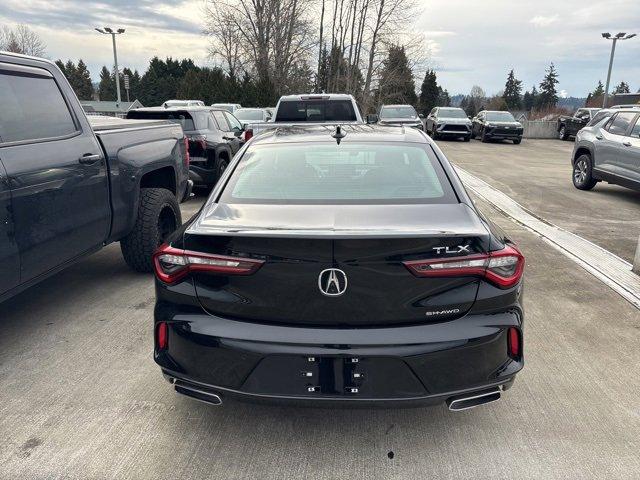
(372, 118)
(420, 115)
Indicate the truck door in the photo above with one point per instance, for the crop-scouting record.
(9, 255)
(55, 169)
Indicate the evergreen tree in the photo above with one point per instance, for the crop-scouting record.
(623, 87)
(396, 79)
(444, 100)
(82, 84)
(599, 91)
(60, 65)
(512, 92)
(107, 86)
(429, 93)
(548, 96)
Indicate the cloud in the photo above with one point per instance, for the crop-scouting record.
(563, 94)
(543, 21)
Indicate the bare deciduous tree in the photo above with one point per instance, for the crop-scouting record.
(21, 40)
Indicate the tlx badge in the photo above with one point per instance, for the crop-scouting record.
(457, 249)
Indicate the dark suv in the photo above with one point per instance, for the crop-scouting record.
(496, 125)
(213, 134)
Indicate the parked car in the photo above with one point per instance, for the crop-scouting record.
(229, 107)
(609, 150)
(214, 137)
(67, 189)
(402, 115)
(569, 126)
(448, 122)
(340, 264)
(310, 109)
(248, 115)
(183, 103)
(496, 125)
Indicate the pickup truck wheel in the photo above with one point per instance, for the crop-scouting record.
(582, 173)
(517, 141)
(158, 216)
(562, 133)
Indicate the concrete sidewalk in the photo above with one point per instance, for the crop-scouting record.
(80, 396)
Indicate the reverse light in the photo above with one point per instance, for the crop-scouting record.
(172, 264)
(503, 268)
(162, 336)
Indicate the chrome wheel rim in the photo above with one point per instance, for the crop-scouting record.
(580, 172)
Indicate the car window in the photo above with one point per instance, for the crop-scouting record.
(33, 108)
(620, 123)
(635, 132)
(249, 114)
(221, 121)
(316, 111)
(598, 118)
(398, 112)
(582, 114)
(188, 122)
(500, 117)
(233, 122)
(365, 173)
(452, 113)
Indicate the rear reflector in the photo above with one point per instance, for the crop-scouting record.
(172, 264)
(162, 336)
(513, 343)
(503, 267)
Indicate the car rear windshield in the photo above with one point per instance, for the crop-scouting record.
(451, 113)
(500, 117)
(188, 121)
(327, 173)
(315, 111)
(398, 112)
(246, 114)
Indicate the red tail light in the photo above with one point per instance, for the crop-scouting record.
(187, 158)
(503, 268)
(162, 336)
(172, 264)
(247, 135)
(513, 343)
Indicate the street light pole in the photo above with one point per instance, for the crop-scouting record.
(109, 31)
(615, 38)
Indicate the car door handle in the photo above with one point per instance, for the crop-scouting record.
(626, 143)
(89, 158)
(599, 137)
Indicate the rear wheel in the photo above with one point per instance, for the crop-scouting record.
(483, 136)
(582, 173)
(221, 166)
(517, 141)
(158, 216)
(466, 138)
(562, 133)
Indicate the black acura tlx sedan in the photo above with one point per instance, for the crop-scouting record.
(342, 265)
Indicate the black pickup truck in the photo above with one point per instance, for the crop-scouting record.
(68, 188)
(569, 126)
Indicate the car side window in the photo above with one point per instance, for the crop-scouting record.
(620, 122)
(582, 114)
(221, 121)
(33, 108)
(635, 132)
(233, 122)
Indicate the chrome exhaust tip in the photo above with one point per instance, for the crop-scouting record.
(465, 402)
(197, 393)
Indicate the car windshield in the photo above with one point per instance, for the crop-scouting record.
(315, 111)
(451, 113)
(249, 114)
(366, 173)
(500, 117)
(398, 112)
(188, 121)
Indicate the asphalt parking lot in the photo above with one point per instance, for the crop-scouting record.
(81, 398)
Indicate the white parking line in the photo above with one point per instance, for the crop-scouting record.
(604, 265)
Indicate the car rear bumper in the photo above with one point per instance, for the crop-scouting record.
(412, 365)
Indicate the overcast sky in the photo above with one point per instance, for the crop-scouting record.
(470, 41)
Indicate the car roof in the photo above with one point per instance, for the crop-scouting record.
(194, 108)
(353, 133)
(317, 96)
(396, 105)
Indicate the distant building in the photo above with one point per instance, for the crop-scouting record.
(111, 109)
(624, 99)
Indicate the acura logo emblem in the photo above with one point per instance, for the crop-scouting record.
(332, 282)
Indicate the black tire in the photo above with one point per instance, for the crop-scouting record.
(582, 174)
(517, 141)
(158, 216)
(435, 135)
(473, 135)
(467, 138)
(483, 136)
(562, 133)
(221, 166)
